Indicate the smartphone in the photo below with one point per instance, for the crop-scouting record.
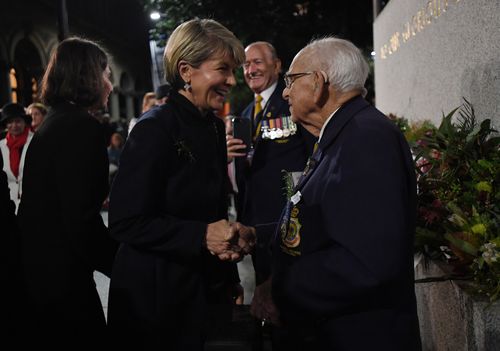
(242, 129)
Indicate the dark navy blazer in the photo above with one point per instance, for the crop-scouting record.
(261, 184)
(343, 254)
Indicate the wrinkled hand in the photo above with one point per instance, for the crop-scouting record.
(244, 238)
(218, 238)
(263, 306)
(233, 147)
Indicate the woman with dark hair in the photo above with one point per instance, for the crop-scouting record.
(63, 237)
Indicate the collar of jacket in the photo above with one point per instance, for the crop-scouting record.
(340, 119)
(332, 130)
(191, 110)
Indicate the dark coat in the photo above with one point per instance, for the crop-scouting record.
(10, 294)
(171, 183)
(261, 184)
(63, 237)
(343, 263)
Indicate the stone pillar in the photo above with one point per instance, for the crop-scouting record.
(129, 100)
(114, 107)
(450, 318)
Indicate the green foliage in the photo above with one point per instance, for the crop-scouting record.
(288, 25)
(288, 184)
(458, 177)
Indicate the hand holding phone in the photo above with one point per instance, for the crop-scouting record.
(242, 129)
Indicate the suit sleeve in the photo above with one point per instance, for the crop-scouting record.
(82, 173)
(262, 255)
(137, 214)
(365, 212)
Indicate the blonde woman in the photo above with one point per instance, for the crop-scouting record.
(168, 204)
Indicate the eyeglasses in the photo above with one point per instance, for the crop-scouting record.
(291, 77)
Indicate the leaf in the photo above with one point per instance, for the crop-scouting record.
(463, 245)
(496, 241)
(453, 207)
(480, 262)
(446, 128)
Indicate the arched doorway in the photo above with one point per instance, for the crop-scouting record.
(25, 73)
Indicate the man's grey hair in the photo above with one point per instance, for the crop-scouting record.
(270, 47)
(341, 60)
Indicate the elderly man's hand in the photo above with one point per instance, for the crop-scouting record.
(243, 237)
(234, 147)
(263, 306)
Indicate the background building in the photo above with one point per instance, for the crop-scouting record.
(29, 32)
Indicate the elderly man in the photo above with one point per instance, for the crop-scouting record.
(342, 254)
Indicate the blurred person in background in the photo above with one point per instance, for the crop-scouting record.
(114, 152)
(162, 93)
(148, 102)
(37, 111)
(63, 237)
(14, 146)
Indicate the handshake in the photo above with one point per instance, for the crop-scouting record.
(230, 241)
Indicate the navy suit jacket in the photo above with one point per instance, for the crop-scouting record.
(343, 254)
(261, 195)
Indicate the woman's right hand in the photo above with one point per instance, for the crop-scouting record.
(218, 238)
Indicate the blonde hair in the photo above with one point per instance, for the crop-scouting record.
(195, 41)
(39, 106)
(148, 101)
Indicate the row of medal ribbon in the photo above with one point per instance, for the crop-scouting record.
(277, 128)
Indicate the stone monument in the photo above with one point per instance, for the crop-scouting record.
(430, 54)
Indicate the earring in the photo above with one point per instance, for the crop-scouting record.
(187, 86)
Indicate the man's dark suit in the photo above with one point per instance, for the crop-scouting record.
(261, 184)
(342, 263)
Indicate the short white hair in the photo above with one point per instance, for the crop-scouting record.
(341, 60)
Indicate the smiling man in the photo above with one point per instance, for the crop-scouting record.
(278, 145)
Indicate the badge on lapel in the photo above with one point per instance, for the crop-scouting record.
(290, 234)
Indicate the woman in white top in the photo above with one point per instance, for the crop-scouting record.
(14, 146)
